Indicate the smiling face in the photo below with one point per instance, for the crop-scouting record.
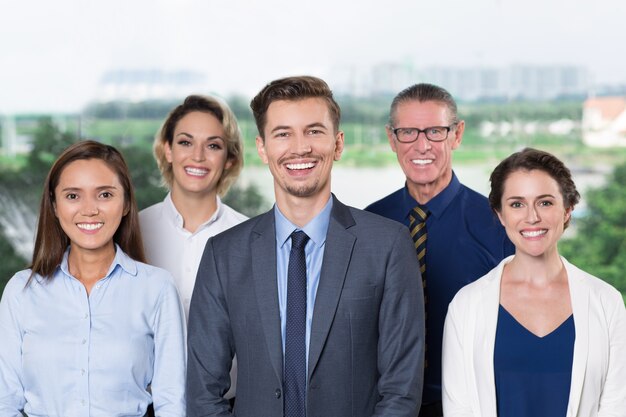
(198, 154)
(300, 146)
(533, 212)
(89, 203)
(427, 165)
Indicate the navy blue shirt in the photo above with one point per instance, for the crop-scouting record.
(465, 241)
(532, 374)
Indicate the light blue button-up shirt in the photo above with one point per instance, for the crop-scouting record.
(316, 229)
(65, 353)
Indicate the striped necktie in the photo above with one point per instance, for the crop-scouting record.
(417, 227)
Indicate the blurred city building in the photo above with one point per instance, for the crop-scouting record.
(153, 84)
(515, 82)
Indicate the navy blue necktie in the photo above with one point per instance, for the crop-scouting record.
(295, 339)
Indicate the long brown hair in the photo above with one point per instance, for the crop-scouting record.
(51, 241)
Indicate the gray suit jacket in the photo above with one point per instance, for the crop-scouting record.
(367, 336)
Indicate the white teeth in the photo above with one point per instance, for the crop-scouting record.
(534, 233)
(422, 161)
(196, 171)
(301, 166)
(89, 226)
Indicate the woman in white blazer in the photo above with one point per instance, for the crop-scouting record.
(536, 336)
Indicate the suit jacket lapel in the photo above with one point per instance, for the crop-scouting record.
(337, 256)
(579, 294)
(266, 288)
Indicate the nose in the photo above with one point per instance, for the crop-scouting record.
(532, 216)
(90, 208)
(301, 145)
(422, 145)
(198, 153)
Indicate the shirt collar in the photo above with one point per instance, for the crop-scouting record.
(177, 218)
(438, 204)
(121, 258)
(316, 229)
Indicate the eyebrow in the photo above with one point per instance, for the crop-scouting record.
(516, 197)
(314, 124)
(100, 188)
(208, 138)
(317, 124)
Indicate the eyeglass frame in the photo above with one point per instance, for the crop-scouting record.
(447, 128)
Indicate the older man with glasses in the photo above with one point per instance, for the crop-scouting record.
(457, 238)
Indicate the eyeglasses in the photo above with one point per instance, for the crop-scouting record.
(433, 133)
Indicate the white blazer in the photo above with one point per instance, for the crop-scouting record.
(598, 386)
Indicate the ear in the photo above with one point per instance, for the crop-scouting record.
(339, 143)
(458, 134)
(54, 207)
(168, 152)
(391, 139)
(228, 164)
(260, 148)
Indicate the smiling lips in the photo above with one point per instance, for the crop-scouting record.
(90, 226)
(196, 172)
(421, 161)
(300, 166)
(534, 233)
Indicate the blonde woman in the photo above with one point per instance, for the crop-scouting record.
(199, 153)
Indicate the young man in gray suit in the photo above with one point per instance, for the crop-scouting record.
(322, 303)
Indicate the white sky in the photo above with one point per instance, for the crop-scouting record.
(53, 53)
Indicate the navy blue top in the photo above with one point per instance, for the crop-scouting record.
(465, 241)
(533, 374)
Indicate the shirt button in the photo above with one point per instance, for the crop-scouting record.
(82, 402)
(85, 316)
(84, 341)
(277, 394)
(82, 372)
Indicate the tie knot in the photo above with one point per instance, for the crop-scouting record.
(420, 212)
(299, 239)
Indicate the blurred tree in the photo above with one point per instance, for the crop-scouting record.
(246, 200)
(145, 174)
(20, 192)
(599, 246)
(11, 262)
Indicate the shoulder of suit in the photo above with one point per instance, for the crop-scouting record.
(243, 230)
(371, 219)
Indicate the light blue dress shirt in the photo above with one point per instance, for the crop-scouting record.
(316, 229)
(64, 353)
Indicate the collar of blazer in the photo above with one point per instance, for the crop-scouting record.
(337, 258)
(488, 315)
